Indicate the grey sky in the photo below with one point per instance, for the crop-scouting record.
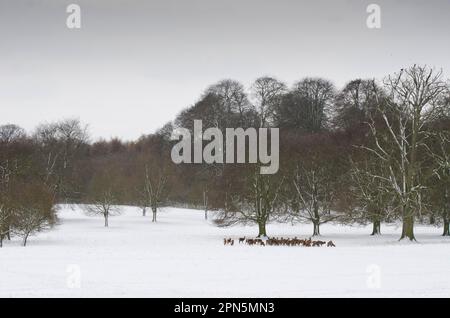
(135, 64)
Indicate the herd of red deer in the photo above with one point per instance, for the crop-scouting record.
(279, 242)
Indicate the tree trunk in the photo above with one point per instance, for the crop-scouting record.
(446, 214)
(205, 203)
(1, 241)
(446, 227)
(226, 202)
(144, 211)
(432, 219)
(25, 238)
(376, 230)
(316, 230)
(262, 229)
(316, 220)
(154, 214)
(408, 228)
(106, 219)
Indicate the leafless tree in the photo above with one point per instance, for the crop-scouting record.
(5, 221)
(103, 195)
(441, 183)
(5, 215)
(105, 206)
(32, 210)
(307, 106)
(313, 196)
(59, 143)
(356, 103)
(10, 133)
(231, 103)
(372, 202)
(14, 161)
(154, 189)
(413, 94)
(258, 204)
(267, 93)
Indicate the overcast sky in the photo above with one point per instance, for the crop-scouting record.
(134, 65)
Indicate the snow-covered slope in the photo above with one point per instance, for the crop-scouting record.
(183, 256)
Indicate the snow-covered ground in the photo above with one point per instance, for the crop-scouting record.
(183, 256)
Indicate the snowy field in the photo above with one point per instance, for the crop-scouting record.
(183, 256)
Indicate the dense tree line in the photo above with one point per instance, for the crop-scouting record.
(372, 152)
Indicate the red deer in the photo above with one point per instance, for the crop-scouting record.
(275, 241)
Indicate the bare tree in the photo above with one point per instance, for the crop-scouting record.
(267, 93)
(258, 204)
(5, 212)
(314, 192)
(154, 189)
(32, 210)
(105, 205)
(103, 196)
(371, 199)
(413, 94)
(13, 161)
(307, 106)
(356, 103)
(59, 144)
(10, 133)
(441, 183)
(5, 221)
(231, 103)
(143, 203)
